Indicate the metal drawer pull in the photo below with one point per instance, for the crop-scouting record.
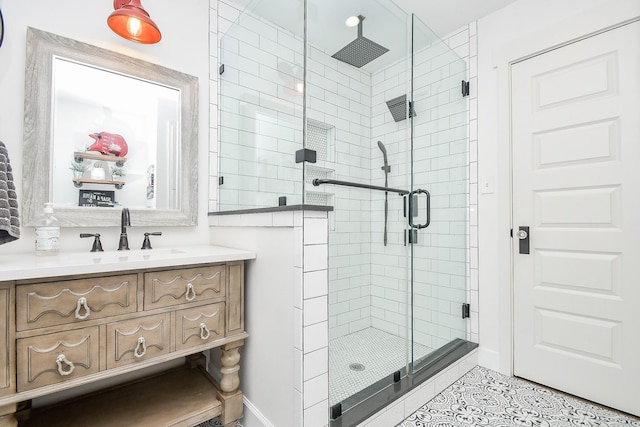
(204, 331)
(191, 292)
(141, 348)
(82, 303)
(60, 360)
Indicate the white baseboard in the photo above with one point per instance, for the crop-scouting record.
(489, 358)
(252, 415)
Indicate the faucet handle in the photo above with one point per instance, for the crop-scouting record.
(97, 245)
(146, 243)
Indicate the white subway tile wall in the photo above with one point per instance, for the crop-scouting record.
(261, 112)
(315, 396)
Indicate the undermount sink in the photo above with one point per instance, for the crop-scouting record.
(133, 255)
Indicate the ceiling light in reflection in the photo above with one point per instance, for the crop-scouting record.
(352, 21)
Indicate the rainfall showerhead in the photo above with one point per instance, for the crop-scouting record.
(361, 51)
(398, 108)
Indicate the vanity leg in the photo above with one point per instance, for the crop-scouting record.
(7, 415)
(229, 395)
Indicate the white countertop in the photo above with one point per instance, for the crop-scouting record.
(31, 266)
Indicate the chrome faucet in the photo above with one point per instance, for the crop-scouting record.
(125, 222)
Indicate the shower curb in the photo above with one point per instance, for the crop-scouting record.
(443, 358)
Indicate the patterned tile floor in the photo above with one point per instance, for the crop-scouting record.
(379, 352)
(486, 398)
(211, 423)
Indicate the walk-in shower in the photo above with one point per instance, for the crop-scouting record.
(398, 253)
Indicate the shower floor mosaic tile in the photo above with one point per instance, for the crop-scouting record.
(378, 352)
(486, 398)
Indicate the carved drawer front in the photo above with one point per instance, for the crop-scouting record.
(139, 339)
(54, 358)
(199, 325)
(189, 285)
(72, 301)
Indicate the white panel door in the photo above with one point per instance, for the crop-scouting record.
(576, 184)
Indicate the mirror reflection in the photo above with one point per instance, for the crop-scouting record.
(119, 132)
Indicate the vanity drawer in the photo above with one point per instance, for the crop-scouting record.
(138, 339)
(183, 286)
(72, 301)
(54, 358)
(199, 325)
(7, 346)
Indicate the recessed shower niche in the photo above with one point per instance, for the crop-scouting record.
(320, 138)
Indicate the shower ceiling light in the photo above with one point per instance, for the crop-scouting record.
(352, 21)
(131, 21)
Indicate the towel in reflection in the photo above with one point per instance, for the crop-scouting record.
(9, 222)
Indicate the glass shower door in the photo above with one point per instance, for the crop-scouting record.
(440, 184)
(352, 74)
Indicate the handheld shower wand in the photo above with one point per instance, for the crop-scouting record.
(386, 168)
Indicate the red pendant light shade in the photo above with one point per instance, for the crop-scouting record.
(131, 21)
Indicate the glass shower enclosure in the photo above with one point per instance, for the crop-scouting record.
(374, 97)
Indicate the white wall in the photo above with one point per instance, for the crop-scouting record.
(184, 47)
(266, 365)
(521, 29)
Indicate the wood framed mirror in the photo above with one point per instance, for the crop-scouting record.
(74, 90)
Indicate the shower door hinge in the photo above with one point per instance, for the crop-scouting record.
(412, 206)
(306, 155)
(336, 411)
(411, 236)
(220, 180)
(466, 310)
(221, 69)
(465, 88)
(412, 112)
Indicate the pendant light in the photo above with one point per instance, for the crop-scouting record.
(131, 21)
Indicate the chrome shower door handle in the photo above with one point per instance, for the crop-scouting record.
(411, 208)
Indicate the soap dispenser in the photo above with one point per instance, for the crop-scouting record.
(47, 232)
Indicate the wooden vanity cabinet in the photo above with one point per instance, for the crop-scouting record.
(80, 329)
(7, 346)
